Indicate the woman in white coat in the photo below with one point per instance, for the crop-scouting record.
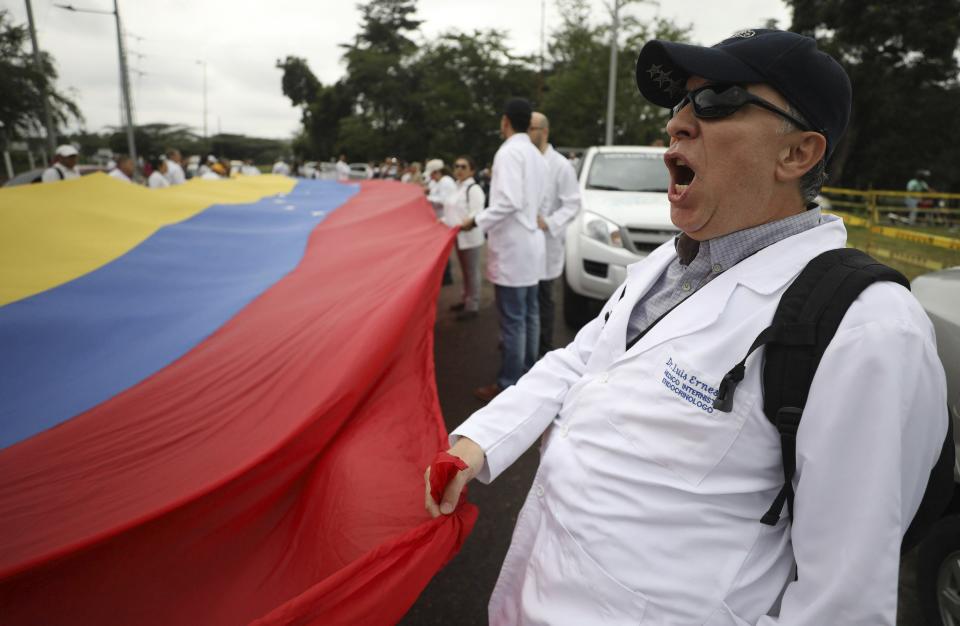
(466, 202)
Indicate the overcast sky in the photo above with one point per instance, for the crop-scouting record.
(241, 39)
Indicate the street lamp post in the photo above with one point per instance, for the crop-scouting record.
(612, 78)
(614, 8)
(124, 75)
(204, 64)
(38, 65)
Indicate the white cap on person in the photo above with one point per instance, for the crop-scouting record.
(66, 150)
(433, 165)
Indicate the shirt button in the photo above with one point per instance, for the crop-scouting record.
(539, 490)
(686, 286)
(717, 268)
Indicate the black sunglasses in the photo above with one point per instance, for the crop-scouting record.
(720, 100)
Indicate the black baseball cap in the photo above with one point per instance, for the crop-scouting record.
(810, 80)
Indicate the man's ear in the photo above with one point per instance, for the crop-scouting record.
(801, 152)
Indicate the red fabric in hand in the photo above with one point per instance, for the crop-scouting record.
(445, 467)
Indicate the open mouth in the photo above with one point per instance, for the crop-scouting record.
(681, 175)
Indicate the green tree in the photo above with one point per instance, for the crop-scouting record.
(379, 78)
(463, 81)
(901, 58)
(576, 86)
(21, 106)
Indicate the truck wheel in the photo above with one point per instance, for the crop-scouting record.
(938, 573)
(577, 309)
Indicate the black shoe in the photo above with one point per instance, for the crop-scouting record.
(466, 315)
(457, 307)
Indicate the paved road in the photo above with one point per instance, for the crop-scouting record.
(467, 357)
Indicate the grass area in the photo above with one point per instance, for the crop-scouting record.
(908, 257)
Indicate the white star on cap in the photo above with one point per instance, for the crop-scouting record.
(654, 69)
(664, 77)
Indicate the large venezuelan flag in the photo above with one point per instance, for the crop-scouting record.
(217, 401)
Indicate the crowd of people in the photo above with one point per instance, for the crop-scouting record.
(164, 170)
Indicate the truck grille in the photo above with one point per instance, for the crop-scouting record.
(646, 240)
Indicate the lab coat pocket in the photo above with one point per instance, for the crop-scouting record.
(564, 585)
(669, 415)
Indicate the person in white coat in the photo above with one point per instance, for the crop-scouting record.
(175, 173)
(646, 506)
(64, 165)
(281, 168)
(466, 202)
(561, 204)
(343, 169)
(439, 188)
(158, 177)
(124, 169)
(515, 247)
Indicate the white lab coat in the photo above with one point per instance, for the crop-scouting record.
(157, 180)
(58, 172)
(280, 168)
(466, 201)
(439, 191)
(646, 508)
(175, 173)
(343, 171)
(119, 175)
(561, 203)
(515, 244)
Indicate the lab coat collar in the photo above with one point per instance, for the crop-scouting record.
(640, 278)
(765, 272)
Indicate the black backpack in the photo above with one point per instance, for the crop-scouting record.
(805, 321)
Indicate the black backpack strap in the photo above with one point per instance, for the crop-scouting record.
(807, 318)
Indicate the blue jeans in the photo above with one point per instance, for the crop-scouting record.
(519, 331)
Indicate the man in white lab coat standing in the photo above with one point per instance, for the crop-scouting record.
(515, 244)
(561, 203)
(652, 502)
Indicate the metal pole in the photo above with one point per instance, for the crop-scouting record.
(48, 117)
(543, 26)
(125, 84)
(612, 80)
(204, 100)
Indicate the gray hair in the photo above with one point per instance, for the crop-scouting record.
(811, 182)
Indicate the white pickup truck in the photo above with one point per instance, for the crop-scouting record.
(625, 216)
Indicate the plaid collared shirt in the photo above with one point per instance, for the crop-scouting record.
(696, 265)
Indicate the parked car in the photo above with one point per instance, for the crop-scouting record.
(938, 559)
(625, 216)
(33, 176)
(326, 171)
(360, 171)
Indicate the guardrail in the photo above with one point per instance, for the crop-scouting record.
(887, 213)
(942, 210)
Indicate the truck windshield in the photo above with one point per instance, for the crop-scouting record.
(628, 171)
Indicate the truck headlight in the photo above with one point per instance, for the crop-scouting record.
(601, 229)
